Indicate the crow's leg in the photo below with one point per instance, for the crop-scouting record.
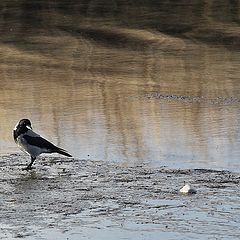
(29, 167)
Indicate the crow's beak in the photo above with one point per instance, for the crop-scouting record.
(29, 127)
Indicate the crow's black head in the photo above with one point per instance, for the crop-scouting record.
(22, 127)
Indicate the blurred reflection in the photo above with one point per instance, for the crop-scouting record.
(84, 85)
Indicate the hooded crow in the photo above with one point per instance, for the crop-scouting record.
(32, 143)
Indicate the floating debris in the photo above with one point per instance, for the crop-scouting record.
(189, 99)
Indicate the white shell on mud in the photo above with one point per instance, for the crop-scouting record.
(188, 189)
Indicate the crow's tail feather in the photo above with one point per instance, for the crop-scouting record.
(63, 152)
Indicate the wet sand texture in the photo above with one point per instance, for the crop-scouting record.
(72, 198)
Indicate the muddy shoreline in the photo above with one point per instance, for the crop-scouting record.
(65, 199)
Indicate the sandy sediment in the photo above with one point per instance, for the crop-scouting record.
(67, 197)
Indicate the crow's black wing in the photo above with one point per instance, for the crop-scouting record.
(39, 142)
(43, 143)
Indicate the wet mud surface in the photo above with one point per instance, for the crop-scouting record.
(66, 198)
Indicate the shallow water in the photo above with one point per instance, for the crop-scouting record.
(179, 109)
(93, 86)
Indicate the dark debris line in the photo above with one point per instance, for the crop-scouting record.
(188, 99)
(70, 195)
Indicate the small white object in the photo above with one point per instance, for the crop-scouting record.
(188, 189)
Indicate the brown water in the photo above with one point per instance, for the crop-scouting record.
(124, 86)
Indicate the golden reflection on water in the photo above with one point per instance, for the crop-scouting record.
(91, 99)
